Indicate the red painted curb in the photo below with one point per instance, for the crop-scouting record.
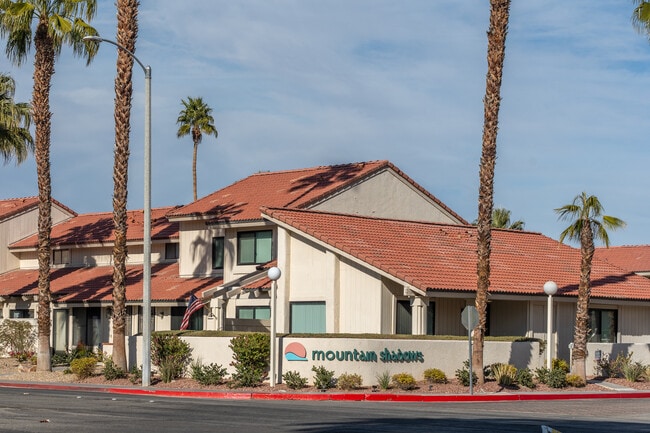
(373, 397)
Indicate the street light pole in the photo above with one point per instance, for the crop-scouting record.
(550, 288)
(273, 274)
(146, 261)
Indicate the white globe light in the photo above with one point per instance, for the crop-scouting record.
(550, 288)
(274, 273)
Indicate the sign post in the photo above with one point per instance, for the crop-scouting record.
(469, 319)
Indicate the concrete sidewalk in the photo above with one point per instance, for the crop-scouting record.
(330, 396)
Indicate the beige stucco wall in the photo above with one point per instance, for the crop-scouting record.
(445, 355)
(386, 195)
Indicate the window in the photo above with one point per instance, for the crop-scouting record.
(196, 320)
(171, 251)
(603, 326)
(308, 317)
(21, 314)
(254, 312)
(403, 322)
(60, 257)
(217, 252)
(254, 247)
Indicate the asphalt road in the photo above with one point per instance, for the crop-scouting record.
(64, 411)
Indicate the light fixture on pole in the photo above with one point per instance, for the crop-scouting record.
(550, 288)
(273, 274)
(146, 261)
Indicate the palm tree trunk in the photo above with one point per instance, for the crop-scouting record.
(499, 15)
(196, 147)
(579, 353)
(127, 29)
(43, 72)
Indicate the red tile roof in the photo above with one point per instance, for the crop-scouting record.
(13, 206)
(93, 284)
(440, 257)
(632, 257)
(242, 200)
(94, 228)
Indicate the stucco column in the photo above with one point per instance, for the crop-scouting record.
(419, 315)
(217, 309)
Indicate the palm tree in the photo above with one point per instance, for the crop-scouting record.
(196, 119)
(127, 32)
(641, 16)
(499, 15)
(501, 220)
(58, 23)
(587, 224)
(15, 139)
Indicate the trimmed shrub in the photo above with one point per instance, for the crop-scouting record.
(293, 380)
(435, 375)
(404, 381)
(111, 371)
(171, 355)
(556, 378)
(251, 355)
(575, 381)
(324, 378)
(83, 367)
(348, 382)
(383, 380)
(560, 364)
(542, 374)
(525, 378)
(504, 374)
(634, 372)
(211, 374)
(17, 337)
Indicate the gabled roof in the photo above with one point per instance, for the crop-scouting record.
(301, 188)
(632, 257)
(440, 257)
(94, 284)
(14, 206)
(97, 228)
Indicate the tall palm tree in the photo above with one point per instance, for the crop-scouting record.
(127, 33)
(641, 16)
(58, 23)
(195, 119)
(501, 220)
(587, 224)
(499, 16)
(15, 117)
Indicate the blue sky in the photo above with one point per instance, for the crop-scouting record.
(302, 83)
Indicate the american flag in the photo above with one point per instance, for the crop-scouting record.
(194, 304)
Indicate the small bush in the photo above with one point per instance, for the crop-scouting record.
(324, 378)
(634, 372)
(135, 375)
(211, 374)
(504, 374)
(435, 375)
(404, 381)
(542, 374)
(83, 367)
(293, 380)
(560, 364)
(525, 378)
(463, 375)
(251, 356)
(349, 382)
(17, 336)
(111, 371)
(575, 381)
(383, 380)
(171, 355)
(556, 378)
(614, 367)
